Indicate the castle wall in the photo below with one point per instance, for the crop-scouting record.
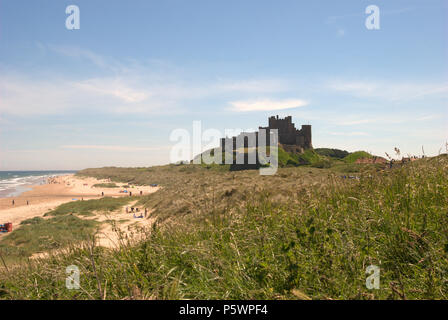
(288, 135)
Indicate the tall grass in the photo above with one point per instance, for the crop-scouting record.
(314, 243)
(59, 228)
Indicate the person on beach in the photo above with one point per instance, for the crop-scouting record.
(102, 194)
(130, 193)
(141, 192)
(146, 212)
(13, 202)
(27, 203)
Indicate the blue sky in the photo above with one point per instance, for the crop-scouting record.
(111, 92)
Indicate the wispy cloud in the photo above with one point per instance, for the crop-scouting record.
(390, 119)
(251, 85)
(114, 87)
(115, 148)
(349, 134)
(133, 87)
(22, 95)
(85, 54)
(390, 91)
(266, 105)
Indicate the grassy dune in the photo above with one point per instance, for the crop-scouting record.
(64, 226)
(303, 233)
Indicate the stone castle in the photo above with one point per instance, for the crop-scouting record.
(290, 138)
(288, 135)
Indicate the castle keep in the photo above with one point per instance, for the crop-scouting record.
(290, 138)
(288, 134)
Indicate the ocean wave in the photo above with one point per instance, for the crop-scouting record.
(20, 181)
(14, 183)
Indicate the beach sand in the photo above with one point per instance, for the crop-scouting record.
(58, 190)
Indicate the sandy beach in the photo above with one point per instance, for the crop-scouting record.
(59, 190)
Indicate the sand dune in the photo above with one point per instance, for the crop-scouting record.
(57, 191)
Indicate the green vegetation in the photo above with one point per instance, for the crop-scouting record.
(323, 163)
(62, 228)
(88, 206)
(35, 220)
(352, 157)
(304, 232)
(318, 158)
(105, 185)
(40, 235)
(287, 159)
(309, 157)
(332, 153)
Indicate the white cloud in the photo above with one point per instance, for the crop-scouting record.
(25, 96)
(115, 148)
(390, 119)
(266, 105)
(84, 54)
(139, 88)
(127, 93)
(114, 88)
(390, 91)
(252, 86)
(349, 134)
(427, 117)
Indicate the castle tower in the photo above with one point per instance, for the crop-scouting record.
(306, 132)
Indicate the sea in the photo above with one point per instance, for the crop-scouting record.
(13, 183)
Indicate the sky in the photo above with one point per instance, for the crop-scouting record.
(113, 91)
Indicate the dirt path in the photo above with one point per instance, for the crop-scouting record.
(119, 225)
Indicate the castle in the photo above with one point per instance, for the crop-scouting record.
(288, 135)
(290, 138)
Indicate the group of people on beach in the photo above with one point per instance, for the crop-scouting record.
(52, 180)
(137, 210)
(14, 202)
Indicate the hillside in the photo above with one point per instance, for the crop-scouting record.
(320, 158)
(352, 157)
(332, 153)
(303, 233)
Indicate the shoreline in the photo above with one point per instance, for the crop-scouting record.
(13, 184)
(56, 191)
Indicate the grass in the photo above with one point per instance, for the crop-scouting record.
(63, 227)
(87, 207)
(332, 153)
(105, 185)
(286, 159)
(303, 233)
(352, 157)
(40, 235)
